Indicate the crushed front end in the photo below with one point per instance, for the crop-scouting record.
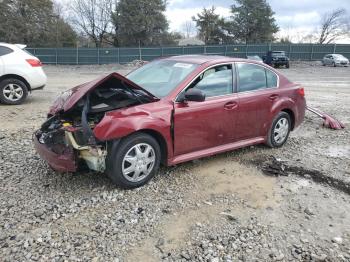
(63, 144)
(66, 140)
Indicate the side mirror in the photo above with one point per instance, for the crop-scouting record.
(192, 94)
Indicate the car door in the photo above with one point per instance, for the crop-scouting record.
(330, 60)
(202, 125)
(257, 90)
(2, 66)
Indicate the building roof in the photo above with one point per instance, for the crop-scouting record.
(190, 41)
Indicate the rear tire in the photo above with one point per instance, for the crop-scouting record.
(279, 131)
(133, 161)
(13, 91)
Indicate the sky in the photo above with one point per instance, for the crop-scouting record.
(295, 18)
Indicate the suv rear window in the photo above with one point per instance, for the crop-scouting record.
(5, 50)
(278, 54)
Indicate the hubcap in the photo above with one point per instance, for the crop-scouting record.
(281, 130)
(138, 162)
(13, 92)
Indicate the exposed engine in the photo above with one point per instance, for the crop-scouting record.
(71, 132)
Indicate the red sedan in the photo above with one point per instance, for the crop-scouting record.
(167, 112)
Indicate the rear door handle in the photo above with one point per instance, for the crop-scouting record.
(273, 97)
(230, 105)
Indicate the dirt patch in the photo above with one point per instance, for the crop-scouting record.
(216, 178)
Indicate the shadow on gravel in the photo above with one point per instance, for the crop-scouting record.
(271, 166)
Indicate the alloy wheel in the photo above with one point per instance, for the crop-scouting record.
(281, 130)
(13, 92)
(138, 162)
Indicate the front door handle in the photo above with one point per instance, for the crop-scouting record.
(230, 105)
(273, 97)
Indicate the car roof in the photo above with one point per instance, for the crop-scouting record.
(13, 46)
(202, 59)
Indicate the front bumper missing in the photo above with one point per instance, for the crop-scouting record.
(66, 162)
(93, 156)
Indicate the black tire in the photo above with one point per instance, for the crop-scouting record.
(287, 65)
(118, 150)
(271, 140)
(4, 84)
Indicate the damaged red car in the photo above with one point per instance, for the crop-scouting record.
(167, 112)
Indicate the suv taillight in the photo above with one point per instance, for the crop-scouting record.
(301, 91)
(34, 62)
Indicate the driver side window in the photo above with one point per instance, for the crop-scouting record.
(215, 81)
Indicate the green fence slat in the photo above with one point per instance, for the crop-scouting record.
(126, 55)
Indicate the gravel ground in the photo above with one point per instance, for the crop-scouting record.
(253, 204)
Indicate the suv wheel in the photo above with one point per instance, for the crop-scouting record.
(280, 130)
(13, 92)
(133, 161)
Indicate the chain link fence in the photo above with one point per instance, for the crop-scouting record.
(89, 56)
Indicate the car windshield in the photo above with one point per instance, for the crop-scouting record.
(254, 57)
(162, 76)
(339, 56)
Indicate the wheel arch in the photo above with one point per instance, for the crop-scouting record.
(158, 137)
(291, 115)
(161, 141)
(20, 78)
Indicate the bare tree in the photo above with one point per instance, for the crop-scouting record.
(189, 28)
(93, 17)
(333, 26)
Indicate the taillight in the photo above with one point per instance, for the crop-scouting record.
(34, 62)
(301, 91)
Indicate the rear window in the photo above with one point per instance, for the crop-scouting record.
(278, 53)
(5, 50)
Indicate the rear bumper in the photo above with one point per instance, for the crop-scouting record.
(299, 117)
(342, 63)
(63, 163)
(280, 62)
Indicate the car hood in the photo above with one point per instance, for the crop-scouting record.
(71, 97)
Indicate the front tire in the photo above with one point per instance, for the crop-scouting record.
(279, 131)
(133, 161)
(13, 91)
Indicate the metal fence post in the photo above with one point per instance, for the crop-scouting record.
(312, 52)
(56, 57)
(118, 55)
(246, 50)
(225, 50)
(77, 54)
(98, 55)
(290, 51)
(162, 51)
(205, 49)
(334, 48)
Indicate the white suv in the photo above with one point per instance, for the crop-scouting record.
(20, 73)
